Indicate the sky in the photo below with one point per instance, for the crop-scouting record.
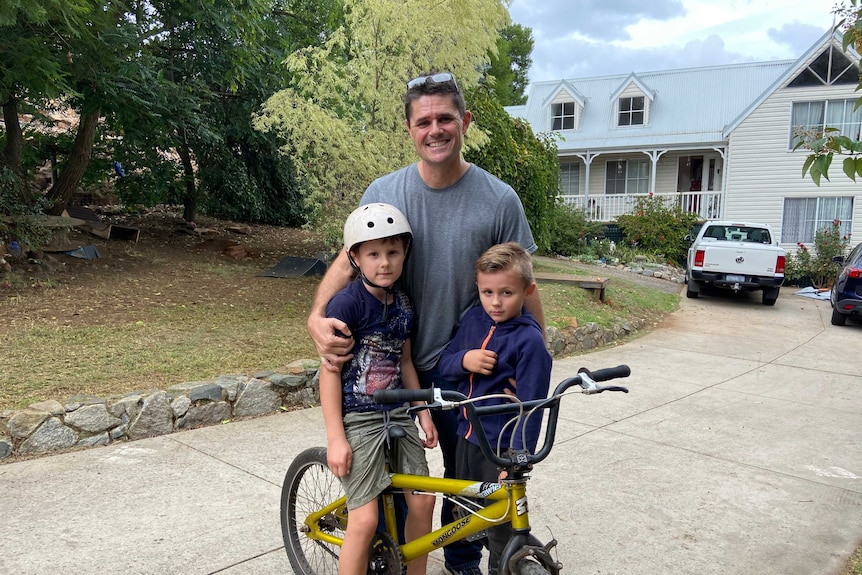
(584, 38)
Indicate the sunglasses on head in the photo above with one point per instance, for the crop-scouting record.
(440, 78)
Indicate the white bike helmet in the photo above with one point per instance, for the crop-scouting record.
(375, 222)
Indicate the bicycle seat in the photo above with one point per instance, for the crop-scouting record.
(396, 432)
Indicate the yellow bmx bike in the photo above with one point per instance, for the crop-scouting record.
(313, 507)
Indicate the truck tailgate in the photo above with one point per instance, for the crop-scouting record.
(739, 258)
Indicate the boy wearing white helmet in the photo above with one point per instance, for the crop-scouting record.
(379, 315)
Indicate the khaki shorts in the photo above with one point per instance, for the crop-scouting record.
(366, 435)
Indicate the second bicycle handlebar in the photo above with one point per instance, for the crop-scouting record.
(587, 380)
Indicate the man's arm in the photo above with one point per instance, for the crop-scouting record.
(333, 350)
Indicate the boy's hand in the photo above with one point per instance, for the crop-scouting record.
(479, 361)
(339, 457)
(427, 425)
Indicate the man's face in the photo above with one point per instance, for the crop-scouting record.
(437, 129)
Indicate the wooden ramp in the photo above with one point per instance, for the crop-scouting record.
(593, 284)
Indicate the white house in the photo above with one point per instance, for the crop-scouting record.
(717, 139)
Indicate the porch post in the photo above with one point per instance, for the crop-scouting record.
(653, 155)
(723, 153)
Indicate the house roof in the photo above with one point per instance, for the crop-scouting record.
(833, 36)
(691, 106)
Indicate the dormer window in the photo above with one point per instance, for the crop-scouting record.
(563, 116)
(631, 111)
(564, 108)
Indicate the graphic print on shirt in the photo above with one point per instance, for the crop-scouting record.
(376, 362)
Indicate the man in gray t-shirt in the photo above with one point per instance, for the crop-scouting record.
(453, 227)
(456, 211)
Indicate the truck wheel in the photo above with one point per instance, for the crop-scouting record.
(692, 289)
(770, 295)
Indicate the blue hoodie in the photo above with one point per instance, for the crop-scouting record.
(521, 356)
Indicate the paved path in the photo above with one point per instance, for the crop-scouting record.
(736, 452)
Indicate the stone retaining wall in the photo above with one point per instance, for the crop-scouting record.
(52, 426)
(79, 422)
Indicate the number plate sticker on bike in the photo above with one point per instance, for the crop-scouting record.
(735, 278)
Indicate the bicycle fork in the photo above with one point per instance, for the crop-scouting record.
(523, 544)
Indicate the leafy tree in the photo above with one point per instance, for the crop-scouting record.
(341, 117)
(216, 60)
(826, 144)
(515, 155)
(33, 56)
(510, 65)
(176, 80)
(222, 60)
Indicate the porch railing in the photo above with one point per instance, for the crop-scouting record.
(606, 207)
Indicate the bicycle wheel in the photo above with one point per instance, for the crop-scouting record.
(309, 485)
(529, 567)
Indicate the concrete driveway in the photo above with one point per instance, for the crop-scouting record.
(736, 452)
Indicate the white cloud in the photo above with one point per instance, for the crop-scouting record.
(599, 37)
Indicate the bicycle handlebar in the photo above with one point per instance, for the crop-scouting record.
(403, 395)
(450, 399)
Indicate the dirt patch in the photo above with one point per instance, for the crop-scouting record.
(171, 263)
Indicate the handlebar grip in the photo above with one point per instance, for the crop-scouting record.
(609, 373)
(403, 395)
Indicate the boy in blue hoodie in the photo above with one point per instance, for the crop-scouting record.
(498, 348)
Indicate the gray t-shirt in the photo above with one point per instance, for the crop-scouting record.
(452, 227)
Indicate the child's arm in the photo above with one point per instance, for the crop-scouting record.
(410, 380)
(339, 456)
(532, 381)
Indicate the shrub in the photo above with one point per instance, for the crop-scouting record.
(656, 227)
(820, 268)
(570, 231)
(21, 211)
(524, 160)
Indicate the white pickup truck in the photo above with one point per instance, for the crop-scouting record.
(736, 256)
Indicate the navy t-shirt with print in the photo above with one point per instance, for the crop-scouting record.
(379, 332)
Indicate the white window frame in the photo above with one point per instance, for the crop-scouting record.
(803, 217)
(630, 111)
(570, 179)
(816, 115)
(558, 114)
(627, 176)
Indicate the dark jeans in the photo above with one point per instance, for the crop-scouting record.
(471, 464)
(461, 554)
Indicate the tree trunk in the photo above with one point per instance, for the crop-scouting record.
(13, 150)
(76, 164)
(190, 198)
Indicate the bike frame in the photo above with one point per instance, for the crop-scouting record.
(508, 503)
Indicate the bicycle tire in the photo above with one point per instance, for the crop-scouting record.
(530, 567)
(309, 485)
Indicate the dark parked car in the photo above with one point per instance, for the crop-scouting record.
(847, 290)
